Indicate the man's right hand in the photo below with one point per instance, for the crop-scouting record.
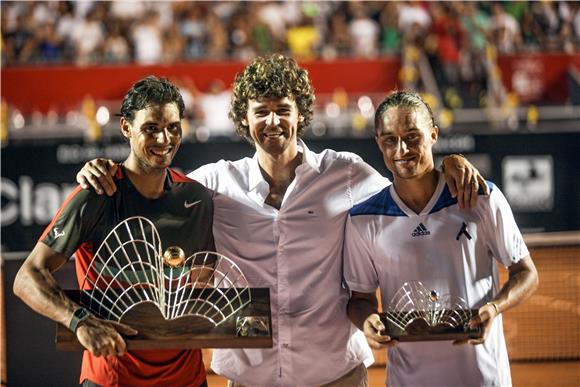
(372, 329)
(98, 173)
(103, 338)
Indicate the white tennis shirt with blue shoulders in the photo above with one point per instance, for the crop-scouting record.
(448, 249)
(297, 253)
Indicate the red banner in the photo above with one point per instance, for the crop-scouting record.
(63, 88)
(538, 77)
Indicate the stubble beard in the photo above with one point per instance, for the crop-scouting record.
(146, 167)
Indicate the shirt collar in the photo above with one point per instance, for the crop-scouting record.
(308, 158)
(255, 175)
(167, 184)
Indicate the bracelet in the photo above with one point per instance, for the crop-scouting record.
(80, 314)
(494, 306)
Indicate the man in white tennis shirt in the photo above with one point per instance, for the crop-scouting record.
(280, 216)
(415, 230)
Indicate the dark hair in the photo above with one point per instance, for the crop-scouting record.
(151, 91)
(401, 98)
(271, 76)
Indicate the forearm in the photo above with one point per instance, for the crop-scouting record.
(40, 291)
(518, 288)
(359, 309)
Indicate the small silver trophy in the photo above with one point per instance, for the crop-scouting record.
(418, 314)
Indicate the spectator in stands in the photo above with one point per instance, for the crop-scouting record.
(339, 41)
(449, 36)
(217, 44)
(412, 13)
(528, 31)
(390, 33)
(88, 38)
(240, 35)
(44, 12)
(147, 38)
(49, 45)
(116, 48)
(473, 71)
(194, 29)
(127, 10)
(575, 20)
(173, 44)
(505, 30)
(364, 32)
(20, 40)
(65, 27)
(476, 25)
(567, 40)
(275, 15)
(547, 25)
(304, 39)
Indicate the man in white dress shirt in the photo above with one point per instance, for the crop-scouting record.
(280, 216)
(448, 249)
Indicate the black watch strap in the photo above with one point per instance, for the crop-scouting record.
(79, 315)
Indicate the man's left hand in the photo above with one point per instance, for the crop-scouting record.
(487, 313)
(463, 180)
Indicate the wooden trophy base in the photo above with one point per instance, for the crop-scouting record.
(419, 330)
(186, 332)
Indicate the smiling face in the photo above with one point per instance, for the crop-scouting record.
(154, 136)
(273, 125)
(405, 136)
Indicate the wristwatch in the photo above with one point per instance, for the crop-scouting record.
(79, 315)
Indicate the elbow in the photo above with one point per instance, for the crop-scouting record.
(535, 281)
(350, 312)
(21, 281)
(18, 284)
(531, 280)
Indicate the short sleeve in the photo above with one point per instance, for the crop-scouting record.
(359, 270)
(365, 181)
(505, 239)
(206, 175)
(74, 221)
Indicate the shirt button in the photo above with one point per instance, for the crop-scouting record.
(285, 345)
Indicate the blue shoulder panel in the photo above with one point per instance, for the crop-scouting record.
(445, 200)
(381, 203)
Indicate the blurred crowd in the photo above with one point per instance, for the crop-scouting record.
(148, 32)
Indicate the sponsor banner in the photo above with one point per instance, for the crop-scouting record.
(528, 182)
(537, 173)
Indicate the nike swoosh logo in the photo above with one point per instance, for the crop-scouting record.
(189, 205)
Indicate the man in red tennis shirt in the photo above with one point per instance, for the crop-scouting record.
(151, 122)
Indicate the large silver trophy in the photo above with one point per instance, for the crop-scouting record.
(418, 314)
(202, 300)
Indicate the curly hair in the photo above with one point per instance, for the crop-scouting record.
(401, 98)
(151, 91)
(276, 76)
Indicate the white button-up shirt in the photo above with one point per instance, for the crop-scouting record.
(297, 253)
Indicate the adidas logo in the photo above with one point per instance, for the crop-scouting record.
(420, 230)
